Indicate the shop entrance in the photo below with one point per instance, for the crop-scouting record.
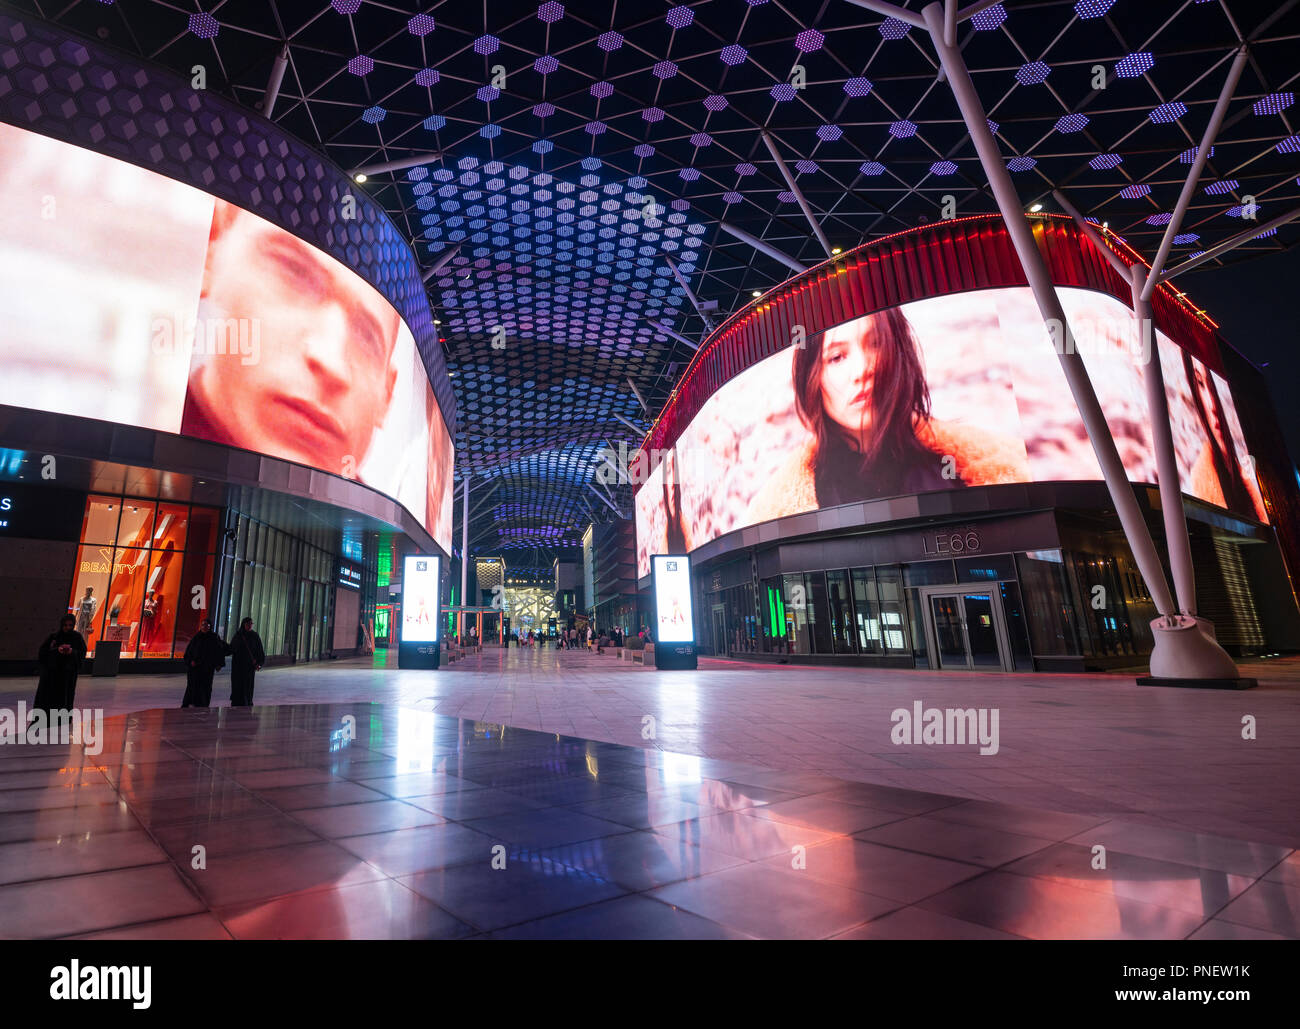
(965, 628)
(720, 630)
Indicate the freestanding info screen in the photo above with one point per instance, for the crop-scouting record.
(674, 619)
(421, 579)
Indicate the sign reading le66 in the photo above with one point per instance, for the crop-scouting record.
(967, 542)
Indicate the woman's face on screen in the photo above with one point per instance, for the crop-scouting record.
(1207, 401)
(848, 371)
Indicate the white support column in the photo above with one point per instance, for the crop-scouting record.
(1240, 239)
(793, 187)
(278, 67)
(1181, 649)
(464, 557)
(763, 247)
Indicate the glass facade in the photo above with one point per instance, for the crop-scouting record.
(280, 574)
(144, 572)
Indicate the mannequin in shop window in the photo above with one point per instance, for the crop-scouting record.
(148, 618)
(86, 612)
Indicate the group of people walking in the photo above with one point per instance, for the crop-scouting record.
(61, 655)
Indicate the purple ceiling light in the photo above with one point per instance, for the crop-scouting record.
(689, 174)
(902, 129)
(732, 198)
(745, 168)
(943, 168)
(680, 17)
(1033, 73)
(701, 139)
(856, 87)
(543, 146)
(805, 167)
(809, 41)
(643, 150)
(487, 93)
(892, 28)
(1274, 103)
(346, 6)
(420, 25)
(664, 70)
(545, 64)
(715, 103)
(783, 92)
(652, 114)
(829, 133)
(1159, 219)
(1088, 9)
(600, 90)
(1290, 145)
(786, 197)
(595, 128)
(361, 65)
(435, 122)
(204, 25)
(1020, 164)
(871, 168)
(373, 115)
(486, 45)
(989, 19)
(1104, 162)
(1218, 189)
(733, 55)
(1134, 65)
(1186, 238)
(543, 110)
(1068, 123)
(1134, 191)
(489, 131)
(609, 41)
(1170, 112)
(1189, 155)
(550, 12)
(427, 77)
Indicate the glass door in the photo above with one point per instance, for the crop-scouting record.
(720, 630)
(967, 630)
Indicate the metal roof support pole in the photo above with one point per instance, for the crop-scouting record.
(1162, 437)
(1240, 239)
(278, 67)
(798, 193)
(674, 334)
(1182, 650)
(464, 557)
(763, 248)
(690, 293)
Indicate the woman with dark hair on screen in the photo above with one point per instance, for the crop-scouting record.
(861, 392)
(1217, 476)
(676, 540)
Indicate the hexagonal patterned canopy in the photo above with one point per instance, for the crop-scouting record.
(566, 169)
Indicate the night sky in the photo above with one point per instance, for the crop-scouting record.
(1254, 302)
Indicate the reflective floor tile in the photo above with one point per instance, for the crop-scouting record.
(548, 827)
(1051, 825)
(643, 811)
(382, 910)
(1271, 906)
(190, 927)
(763, 901)
(281, 777)
(913, 923)
(625, 918)
(325, 794)
(976, 844)
(84, 903)
(890, 798)
(76, 854)
(464, 805)
(374, 816)
(407, 851)
(523, 891)
(1217, 929)
(38, 825)
(419, 784)
(643, 860)
(832, 816)
(1043, 910)
(1185, 848)
(79, 794)
(1198, 891)
(900, 875)
(741, 835)
(277, 871)
(224, 838)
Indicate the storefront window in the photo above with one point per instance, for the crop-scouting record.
(1049, 613)
(797, 629)
(839, 599)
(893, 616)
(819, 617)
(141, 589)
(1016, 628)
(866, 611)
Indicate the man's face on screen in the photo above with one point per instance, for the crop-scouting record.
(325, 374)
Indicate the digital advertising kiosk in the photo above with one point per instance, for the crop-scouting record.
(419, 645)
(674, 635)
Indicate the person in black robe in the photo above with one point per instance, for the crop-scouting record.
(205, 655)
(60, 659)
(246, 657)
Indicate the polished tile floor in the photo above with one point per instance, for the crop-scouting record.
(380, 820)
(1084, 744)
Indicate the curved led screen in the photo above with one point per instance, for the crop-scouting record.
(133, 298)
(944, 393)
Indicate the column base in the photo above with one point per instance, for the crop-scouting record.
(1186, 654)
(1199, 684)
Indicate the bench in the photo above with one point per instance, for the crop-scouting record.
(641, 656)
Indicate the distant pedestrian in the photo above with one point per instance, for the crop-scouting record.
(60, 659)
(246, 659)
(204, 657)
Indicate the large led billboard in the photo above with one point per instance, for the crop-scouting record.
(134, 298)
(421, 578)
(944, 393)
(674, 620)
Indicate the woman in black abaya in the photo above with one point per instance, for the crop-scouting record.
(60, 659)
